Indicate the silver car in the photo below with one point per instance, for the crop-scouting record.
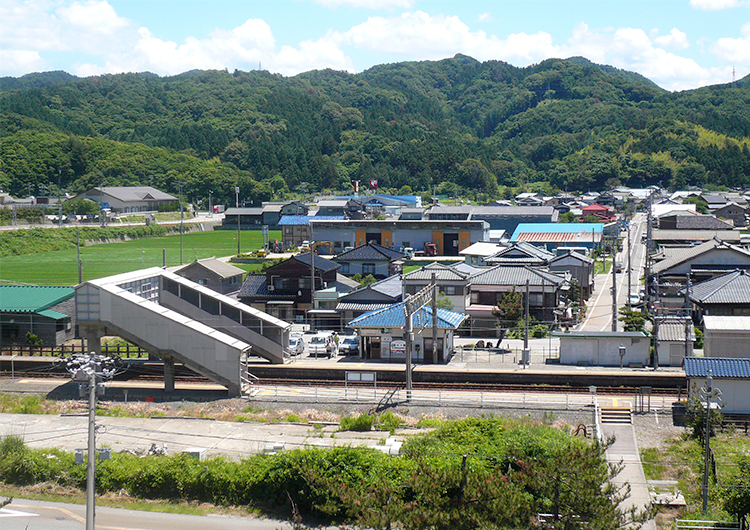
(296, 345)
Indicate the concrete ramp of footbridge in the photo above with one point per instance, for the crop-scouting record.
(191, 326)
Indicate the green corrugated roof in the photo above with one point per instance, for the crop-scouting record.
(32, 298)
(54, 315)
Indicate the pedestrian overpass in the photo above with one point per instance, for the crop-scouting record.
(177, 319)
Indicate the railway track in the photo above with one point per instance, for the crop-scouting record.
(186, 377)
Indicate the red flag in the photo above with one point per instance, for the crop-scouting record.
(373, 184)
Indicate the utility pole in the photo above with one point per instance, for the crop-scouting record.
(526, 319)
(706, 442)
(78, 250)
(90, 371)
(614, 286)
(434, 319)
(688, 317)
(630, 268)
(412, 305)
(210, 203)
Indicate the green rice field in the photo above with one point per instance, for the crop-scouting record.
(60, 267)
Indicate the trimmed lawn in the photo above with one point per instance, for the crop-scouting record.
(60, 267)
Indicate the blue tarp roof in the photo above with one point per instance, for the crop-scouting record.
(394, 317)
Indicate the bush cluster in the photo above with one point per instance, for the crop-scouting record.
(474, 473)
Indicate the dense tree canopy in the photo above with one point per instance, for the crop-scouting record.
(482, 127)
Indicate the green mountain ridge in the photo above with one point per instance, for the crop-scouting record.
(484, 127)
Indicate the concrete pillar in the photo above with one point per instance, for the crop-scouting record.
(92, 335)
(168, 374)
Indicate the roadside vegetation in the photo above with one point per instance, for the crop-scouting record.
(466, 474)
(681, 460)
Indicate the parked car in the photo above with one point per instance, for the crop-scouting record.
(635, 300)
(296, 345)
(349, 345)
(319, 344)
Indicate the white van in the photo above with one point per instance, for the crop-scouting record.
(317, 345)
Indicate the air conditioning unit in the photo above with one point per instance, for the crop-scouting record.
(271, 288)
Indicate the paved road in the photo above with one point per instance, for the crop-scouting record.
(599, 312)
(25, 514)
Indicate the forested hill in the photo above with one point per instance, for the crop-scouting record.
(484, 127)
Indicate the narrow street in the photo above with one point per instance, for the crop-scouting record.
(599, 312)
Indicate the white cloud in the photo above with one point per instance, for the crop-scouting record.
(676, 40)
(485, 17)
(19, 62)
(28, 26)
(368, 4)
(422, 36)
(734, 51)
(715, 5)
(92, 16)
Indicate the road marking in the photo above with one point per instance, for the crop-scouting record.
(614, 402)
(7, 512)
(64, 511)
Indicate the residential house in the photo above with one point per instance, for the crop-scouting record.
(382, 334)
(271, 214)
(452, 283)
(487, 288)
(662, 238)
(372, 297)
(476, 253)
(129, 199)
(581, 269)
(690, 220)
(294, 208)
(700, 263)
(284, 290)
(530, 199)
(725, 295)
(412, 214)
(324, 314)
(733, 212)
(48, 312)
(215, 274)
(520, 253)
(370, 258)
(601, 212)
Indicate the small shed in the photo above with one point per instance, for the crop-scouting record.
(675, 340)
(729, 375)
(602, 348)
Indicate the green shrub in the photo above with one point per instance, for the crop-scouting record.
(361, 423)
(388, 422)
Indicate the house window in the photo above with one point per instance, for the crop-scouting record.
(449, 290)
(368, 268)
(345, 268)
(405, 244)
(474, 298)
(288, 230)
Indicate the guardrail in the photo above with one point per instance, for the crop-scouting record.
(126, 351)
(360, 394)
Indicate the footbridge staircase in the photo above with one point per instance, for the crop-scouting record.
(177, 319)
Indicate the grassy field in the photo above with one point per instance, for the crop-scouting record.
(60, 267)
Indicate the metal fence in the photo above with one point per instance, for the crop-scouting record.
(364, 395)
(504, 355)
(126, 351)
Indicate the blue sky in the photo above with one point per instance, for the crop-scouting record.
(679, 44)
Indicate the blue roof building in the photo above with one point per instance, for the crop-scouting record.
(731, 376)
(382, 334)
